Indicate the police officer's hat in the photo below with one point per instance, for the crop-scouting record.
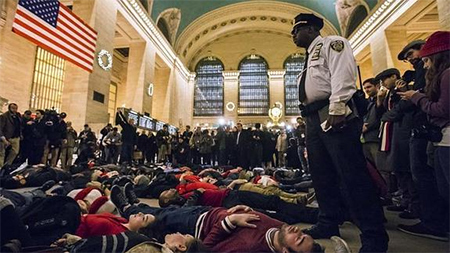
(307, 19)
(402, 55)
(387, 73)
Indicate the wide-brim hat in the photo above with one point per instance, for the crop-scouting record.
(402, 55)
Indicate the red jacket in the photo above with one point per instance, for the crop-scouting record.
(193, 183)
(220, 236)
(100, 224)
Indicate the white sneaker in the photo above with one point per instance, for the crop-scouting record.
(340, 246)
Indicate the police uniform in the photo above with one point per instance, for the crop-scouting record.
(336, 160)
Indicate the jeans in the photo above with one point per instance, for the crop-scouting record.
(66, 157)
(340, 178)
(126, 153)
(442, 168)
(431, 204)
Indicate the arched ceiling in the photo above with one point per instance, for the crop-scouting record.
(231, 29)
(193, 9)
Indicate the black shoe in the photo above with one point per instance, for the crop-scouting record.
(420, 230)
(321, 232)
(118, 197)
(396, 208)
(407, 215)
(129, 193)
(47, 185)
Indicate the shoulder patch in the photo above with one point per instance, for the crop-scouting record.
(337, 45)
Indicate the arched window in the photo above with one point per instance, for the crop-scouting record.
(293, 65)
(253, 86)
(144, 4)
(208, 94)
(357, 17)
(162, 25)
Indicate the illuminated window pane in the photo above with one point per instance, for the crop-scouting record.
(112, 101)
(253, 86)
(293, 65)
(208, 94)
(48, 81)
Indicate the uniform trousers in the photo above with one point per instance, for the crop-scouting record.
(341, 179)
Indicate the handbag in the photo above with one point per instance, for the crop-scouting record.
(428, 131)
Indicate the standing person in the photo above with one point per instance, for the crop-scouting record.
(104, 132)
(300, 134)
(162, 140)
(68, 146)
(129, 138)
(152, 148)
(26, 144)
(282, 145)
(269, 143)
(241, 141)
(10, 134)
(86, 137)
(435, 103)
(142, 143)
(257, 146)
(371, 124)
(194, 144)
(221, 143)
(206, 142)
(56, 136)
(336, 158)
(187, 134)
(112, 143)
(40, 131)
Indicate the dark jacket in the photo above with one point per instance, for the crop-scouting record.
(10, 124)
(142, 142)
(372, 119)
(162, 138)
(129, 135)
(40, 132)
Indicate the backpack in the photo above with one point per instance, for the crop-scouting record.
(48, 219)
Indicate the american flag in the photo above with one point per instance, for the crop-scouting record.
(53, 27)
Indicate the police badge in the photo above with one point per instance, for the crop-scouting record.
(337, 45)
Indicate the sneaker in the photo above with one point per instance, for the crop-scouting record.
(340, 246)
(420, 230)
(407, 215)
(321, 232)
(396, 208)
(118, 197)
(129, 193)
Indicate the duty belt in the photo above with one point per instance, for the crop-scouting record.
(312, 108)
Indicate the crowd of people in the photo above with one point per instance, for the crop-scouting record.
(232, 189)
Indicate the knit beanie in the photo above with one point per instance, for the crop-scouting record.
(436, 43)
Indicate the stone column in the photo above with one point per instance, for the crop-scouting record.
(444, 14)
(79, 84)
(385, 46)
(231, 95)
(135, 85)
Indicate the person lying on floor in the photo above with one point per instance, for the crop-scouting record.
(214, 225)
(129, 242)
(273, 205)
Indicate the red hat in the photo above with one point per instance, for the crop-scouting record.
(436, 43)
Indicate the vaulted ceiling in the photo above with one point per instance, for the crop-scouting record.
(231, 29)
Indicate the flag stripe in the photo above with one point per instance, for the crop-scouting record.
(63, 26)
(79, 24)
(49, 37)
(74, 28)
(55, 35)
(89, 45)
(67, 10)
(42, 42)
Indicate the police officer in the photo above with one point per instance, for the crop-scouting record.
(336, 159)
